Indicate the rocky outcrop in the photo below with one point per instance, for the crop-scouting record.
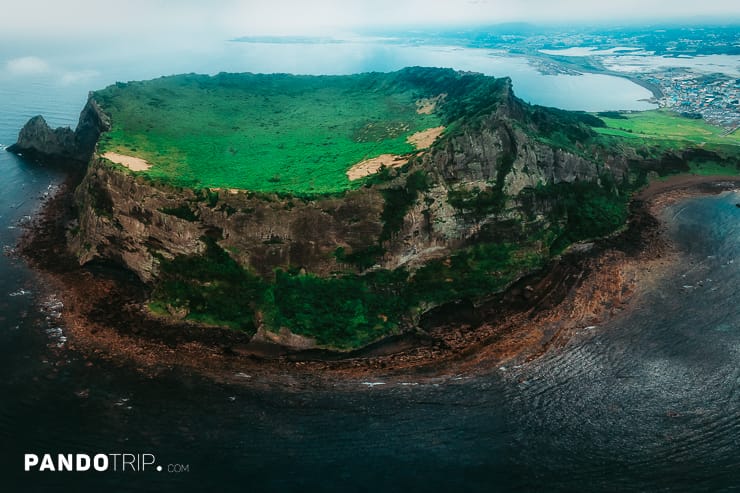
(62, 145)
(36, 137)
(496, 157)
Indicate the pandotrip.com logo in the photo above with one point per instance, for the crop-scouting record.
(111, 462)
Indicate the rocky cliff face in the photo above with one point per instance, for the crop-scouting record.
(130, 220)
(496, 157)
(63, 145)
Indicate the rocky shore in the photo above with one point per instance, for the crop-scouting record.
(590, 284)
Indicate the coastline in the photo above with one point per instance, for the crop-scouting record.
(653, 88)
(104, 317)
(587, 66)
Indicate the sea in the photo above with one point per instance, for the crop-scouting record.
(647, 402)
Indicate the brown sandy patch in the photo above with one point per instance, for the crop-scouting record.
(425, 138)
(372, 166)
(132, 163)
(426, 106)
(420, 140)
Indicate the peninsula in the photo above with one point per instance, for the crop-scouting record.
(333, 212)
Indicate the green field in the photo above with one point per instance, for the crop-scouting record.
(262, 132)
(654, 133)
(663, 125)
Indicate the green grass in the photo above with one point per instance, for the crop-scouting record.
(663, 125)
(656, 134)
(262, 132)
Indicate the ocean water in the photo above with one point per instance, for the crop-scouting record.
(649, 402)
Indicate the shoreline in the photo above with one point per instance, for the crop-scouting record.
(655, 89)
(589, 286)
(573, 63)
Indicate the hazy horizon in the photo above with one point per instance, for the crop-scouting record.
(84, 44)
(136, 20)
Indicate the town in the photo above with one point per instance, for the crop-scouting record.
(715, 98)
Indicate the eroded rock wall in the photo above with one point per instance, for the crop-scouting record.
(129, 219)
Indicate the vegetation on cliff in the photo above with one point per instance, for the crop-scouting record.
(344, 311)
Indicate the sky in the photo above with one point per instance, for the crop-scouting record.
(75, 42)
(142, 19)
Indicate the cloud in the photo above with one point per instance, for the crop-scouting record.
(103, 20)
(27, 65)
(69, 78)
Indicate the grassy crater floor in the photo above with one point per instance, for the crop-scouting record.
(265, 133)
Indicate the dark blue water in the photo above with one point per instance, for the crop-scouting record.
(650, 401)
(647, 403)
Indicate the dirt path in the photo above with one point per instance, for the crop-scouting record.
(372, 166)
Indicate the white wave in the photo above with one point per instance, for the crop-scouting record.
(56, 334)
